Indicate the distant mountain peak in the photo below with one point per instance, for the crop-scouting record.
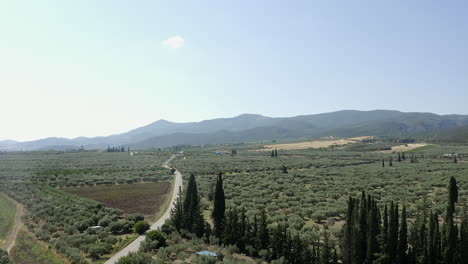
(247, 115)
(163, 121)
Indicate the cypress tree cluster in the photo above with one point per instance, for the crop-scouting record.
(117, 149)
(253, 237)
(368, 238)
(274, 153)
(187, 215)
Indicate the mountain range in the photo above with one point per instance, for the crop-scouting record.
(254, 128)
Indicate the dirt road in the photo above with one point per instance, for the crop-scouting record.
(135, 245)
(16, 227)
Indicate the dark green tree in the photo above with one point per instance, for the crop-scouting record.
(453, 195)
(326, 256)
(403, 239)
(193, 218)
(392, 242)
(177, 212)
(284, 169)
(263, 234)
(219, 207)
(141, 227)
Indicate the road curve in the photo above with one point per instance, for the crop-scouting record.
(135, 245)
(16, 226)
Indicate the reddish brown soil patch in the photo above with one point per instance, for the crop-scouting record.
(143, 198)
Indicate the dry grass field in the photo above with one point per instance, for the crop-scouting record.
(143, 198)
(316, 144)
(404, 148)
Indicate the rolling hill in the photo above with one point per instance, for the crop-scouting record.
(253, 128)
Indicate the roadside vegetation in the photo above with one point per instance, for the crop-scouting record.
(29, 250)
(7, 218)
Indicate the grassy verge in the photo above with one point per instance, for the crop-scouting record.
(29, 250)
(7, 218)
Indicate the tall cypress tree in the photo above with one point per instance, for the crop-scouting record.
(219, 207)
(392, 242)
(346, 248)
(403, 239)
(193, 221)
(232, 228)
(463, 239)
(433, 238)
(326, 256)
(263, 235)
(453, 195)
(450, 229)
(177, 212)
(363, 228)
(373, 232)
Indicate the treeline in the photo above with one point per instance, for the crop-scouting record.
(371, 234)
(117, 149)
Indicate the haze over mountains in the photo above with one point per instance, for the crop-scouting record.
(253, 128)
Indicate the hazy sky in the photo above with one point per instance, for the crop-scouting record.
(89, 68)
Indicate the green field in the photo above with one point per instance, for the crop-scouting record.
(28, 250)
(7, 217)
(319, 182)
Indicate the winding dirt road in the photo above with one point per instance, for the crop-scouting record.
(16, 227)
(135, 245)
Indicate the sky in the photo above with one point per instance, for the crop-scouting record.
(95, 68)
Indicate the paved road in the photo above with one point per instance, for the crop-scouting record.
(135, 245)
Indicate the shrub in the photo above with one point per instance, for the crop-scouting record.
(140, 227)
(136, 258)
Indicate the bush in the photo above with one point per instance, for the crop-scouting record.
(4, 259)
(135, 218)
(140, 227)
(155, 235)
(136, 258)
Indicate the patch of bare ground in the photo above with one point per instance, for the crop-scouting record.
(143, 198)
(404, 148)
(315, 144)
